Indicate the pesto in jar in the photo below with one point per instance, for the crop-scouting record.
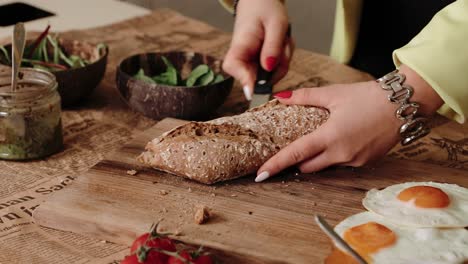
(30, 117)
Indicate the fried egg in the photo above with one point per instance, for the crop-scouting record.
(380, 241)
(421, 204)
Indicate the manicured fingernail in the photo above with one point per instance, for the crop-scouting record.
(262, 176)
(283, 94)
(247, 92)
(270, 63)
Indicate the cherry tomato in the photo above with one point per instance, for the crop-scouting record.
(203, 259)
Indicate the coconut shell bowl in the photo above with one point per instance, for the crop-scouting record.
(75, 84)
(157, 101)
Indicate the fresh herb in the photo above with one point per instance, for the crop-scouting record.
(201, 75)
(143, 77)
(46, 53)
(198, 72)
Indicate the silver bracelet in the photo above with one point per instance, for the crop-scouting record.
(414, 127)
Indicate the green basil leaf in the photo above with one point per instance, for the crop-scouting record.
(196, 73)
(140, 75)
(162, 79)
(171, 72)
(206, 79)
(218, 78)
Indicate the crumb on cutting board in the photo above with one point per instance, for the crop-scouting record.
(132, 172)
(163, 192)
(202, 215)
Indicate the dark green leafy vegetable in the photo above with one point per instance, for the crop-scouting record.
(201, 75)
(218, 78)
(171, 72)
(206, 78)
(46, 53)
(142, 76)
(196, 73)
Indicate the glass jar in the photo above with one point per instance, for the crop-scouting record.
(30, 117)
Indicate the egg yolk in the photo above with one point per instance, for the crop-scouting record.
(365, 239)
(425, 196)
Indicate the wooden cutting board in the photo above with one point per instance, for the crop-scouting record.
(270, 222)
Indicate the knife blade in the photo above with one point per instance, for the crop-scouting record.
(263, 87)
(337, 240)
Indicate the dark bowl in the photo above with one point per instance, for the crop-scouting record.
(158, 101)
(74, 85)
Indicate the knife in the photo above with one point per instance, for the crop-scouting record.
(339, 242)
(263, 86)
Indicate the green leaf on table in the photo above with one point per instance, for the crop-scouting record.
(196, 73)
(5, 54)
(218, 78)
(206, 78)
(140, 75)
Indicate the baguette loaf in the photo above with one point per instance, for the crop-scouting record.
(231, 147)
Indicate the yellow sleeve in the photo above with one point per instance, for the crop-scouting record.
(229, 4)
(347, 19)
(439, 55)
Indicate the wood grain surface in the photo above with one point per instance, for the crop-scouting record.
(270, 222)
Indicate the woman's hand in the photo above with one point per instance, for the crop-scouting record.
(260, 29)
(362, 125)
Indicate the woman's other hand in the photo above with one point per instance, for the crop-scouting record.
(260, 29)
(362, 125)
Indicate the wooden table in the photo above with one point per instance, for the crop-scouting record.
(104, 123)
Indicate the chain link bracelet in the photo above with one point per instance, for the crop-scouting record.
(414, 127)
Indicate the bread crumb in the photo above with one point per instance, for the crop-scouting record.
(233, 195)
(251, 193)
(104, 241)
(132, 172)
(202, 215)
(163, 192)
(189, 189)
(213, 194)
(283, 182)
